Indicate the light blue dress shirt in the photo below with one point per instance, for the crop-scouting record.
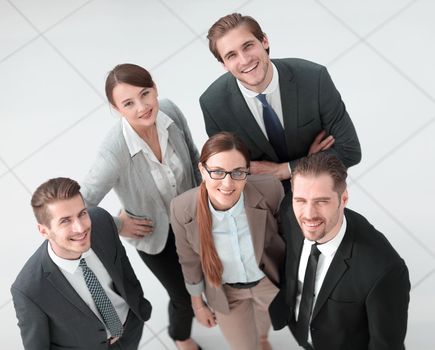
(233, 242)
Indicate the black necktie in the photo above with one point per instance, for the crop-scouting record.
(306, 306)
(102, 301)
(274, 129)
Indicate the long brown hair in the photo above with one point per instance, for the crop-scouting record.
(211, 263)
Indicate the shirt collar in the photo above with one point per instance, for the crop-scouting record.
(65, 264)
(235, 210)
(330, 247)
(134, 142)
(271, 88)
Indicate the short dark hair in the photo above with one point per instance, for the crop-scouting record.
(322, 163)
(127, 73)
(224, 24)
(59, 188)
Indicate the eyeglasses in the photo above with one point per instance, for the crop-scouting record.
(221, 174)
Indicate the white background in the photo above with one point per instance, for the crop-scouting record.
(55, 54)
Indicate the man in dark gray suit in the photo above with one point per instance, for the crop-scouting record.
(311, 116)
(58, 302)
(345, 287)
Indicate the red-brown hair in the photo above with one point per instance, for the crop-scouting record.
(211, 263)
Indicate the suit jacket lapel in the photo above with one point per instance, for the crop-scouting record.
(339, 265)
(289, 103)
(246, 120)
(257, 219)
(60, 283)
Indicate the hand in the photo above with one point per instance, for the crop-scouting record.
(134, 228)
(321, 143)
(280, 170)
(205, 316)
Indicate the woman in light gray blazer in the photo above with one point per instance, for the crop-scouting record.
(148, 158)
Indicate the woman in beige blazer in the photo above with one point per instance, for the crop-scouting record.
(228, 243)
(148, 158)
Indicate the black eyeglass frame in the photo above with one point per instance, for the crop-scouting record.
(210, 172)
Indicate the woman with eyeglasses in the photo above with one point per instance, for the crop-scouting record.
(228, 244)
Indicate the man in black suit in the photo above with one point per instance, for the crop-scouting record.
(360, 284)
(54, 305)
(301, 93)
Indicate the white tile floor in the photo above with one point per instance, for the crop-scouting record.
(54, 55)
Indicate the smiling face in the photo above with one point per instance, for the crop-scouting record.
(139, 105)
(246, 58)
(317, 207)
(69, 230)
(223, 194)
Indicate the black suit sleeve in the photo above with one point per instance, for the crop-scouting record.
(33, 322)
(336, 122)
(387, 309)
(132, 286)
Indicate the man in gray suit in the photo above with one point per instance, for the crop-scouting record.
(308, 111)
(78, 290)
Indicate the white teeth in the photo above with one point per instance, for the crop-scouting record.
(313, 224)
(225, 192)
(79, 238)
(249, 69)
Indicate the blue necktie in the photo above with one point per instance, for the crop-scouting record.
(102, 301)
(306, 306)
(274, 129)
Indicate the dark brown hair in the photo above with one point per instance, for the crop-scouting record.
(322, 163)
(50, 191)
(227, 23)
(211, 264)
(127, 73)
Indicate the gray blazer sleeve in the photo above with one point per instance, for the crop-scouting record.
(102, 177)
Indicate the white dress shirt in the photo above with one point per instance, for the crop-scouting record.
(273, 97)
(168, 174)
(74, 275)
(327, 251)
(233, 242)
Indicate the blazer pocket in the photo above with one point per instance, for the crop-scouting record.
(346, 314)
(192, 235)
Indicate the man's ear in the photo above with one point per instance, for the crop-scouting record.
(43, 230)
(224, 66)
(345, 197)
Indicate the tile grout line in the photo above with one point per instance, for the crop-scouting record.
(409, 138)
(39, 33)
(363, 39)
(397, 221)
(61, 133)
(424, 278)
(155, 336)
(197, 36)
(74, 68)
(12, 172)
(5, 304)
(173, 13)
